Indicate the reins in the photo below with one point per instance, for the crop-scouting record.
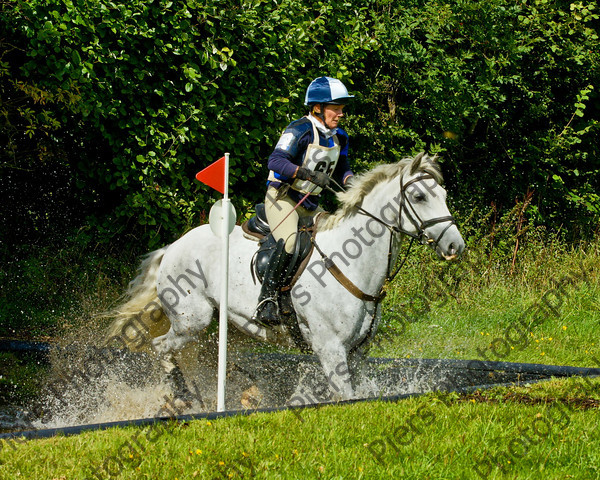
(421, 235)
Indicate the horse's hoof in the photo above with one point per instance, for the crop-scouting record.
(182, 404)
(251, 398)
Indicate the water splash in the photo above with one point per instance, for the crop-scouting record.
(88, 385)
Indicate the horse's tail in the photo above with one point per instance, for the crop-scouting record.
(140, 317)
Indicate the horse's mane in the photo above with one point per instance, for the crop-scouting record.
(364, 183)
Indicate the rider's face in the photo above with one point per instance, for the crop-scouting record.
(332, 114)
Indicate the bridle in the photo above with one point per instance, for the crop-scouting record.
(413, 217)
(420, 225)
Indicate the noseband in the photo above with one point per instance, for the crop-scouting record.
(415, 220)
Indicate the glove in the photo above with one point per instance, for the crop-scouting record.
(349, 181)
(321, 179)
(318, 178)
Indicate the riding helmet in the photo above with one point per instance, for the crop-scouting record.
(327, 90)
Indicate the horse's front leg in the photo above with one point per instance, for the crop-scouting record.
(334, 360)
(363, 385)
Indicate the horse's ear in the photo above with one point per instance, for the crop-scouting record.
(416, 163)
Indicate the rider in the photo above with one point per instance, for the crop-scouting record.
(309, 152)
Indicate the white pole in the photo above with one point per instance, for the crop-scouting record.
(222, 369)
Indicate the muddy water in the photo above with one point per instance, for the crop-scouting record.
(84, 384)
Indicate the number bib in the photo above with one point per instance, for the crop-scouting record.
(319, 159)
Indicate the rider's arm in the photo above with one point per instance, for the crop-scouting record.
(288, 153)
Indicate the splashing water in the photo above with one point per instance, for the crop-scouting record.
(89, 385)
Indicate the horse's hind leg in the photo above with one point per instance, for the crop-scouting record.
(184, 329)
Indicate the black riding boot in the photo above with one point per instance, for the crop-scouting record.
(267, 311)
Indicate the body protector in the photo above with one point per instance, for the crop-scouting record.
(319, 159)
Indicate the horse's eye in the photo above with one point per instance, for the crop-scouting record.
(419, 197)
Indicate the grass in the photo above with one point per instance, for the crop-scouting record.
(464, 310)
(547, 312)
(45, 291)
(542, 431)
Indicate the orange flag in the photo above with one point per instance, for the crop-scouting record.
(214, 175)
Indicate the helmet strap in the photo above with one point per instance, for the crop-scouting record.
(321, 115)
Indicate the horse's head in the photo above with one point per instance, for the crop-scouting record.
(418, 210)
(423, 211)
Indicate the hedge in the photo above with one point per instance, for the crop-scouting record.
(119, 104)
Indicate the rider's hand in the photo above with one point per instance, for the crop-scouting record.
(303, 173)
(321, 179)
(318, 178)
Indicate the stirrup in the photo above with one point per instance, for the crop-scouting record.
(261, 304)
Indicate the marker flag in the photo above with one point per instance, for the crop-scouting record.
(214, 175)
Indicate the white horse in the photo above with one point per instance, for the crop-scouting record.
(182, 280)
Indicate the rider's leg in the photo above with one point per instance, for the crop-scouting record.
(283, 215)
(282, 218)
(267, 311)
(285, 231)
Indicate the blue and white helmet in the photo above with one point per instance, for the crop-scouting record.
(327, 90)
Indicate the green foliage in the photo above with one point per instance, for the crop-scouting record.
(500, 89)
(129, 100)
(51, 290)
(20, 380)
